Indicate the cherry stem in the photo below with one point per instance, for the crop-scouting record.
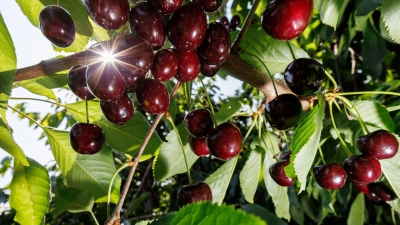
(87, 111)
(332, 79)
(393, 215)
(36, 99)
(348, 152)
(185, 89)
(367, 92)
(26, 116)
(322, 155)
(94, 218)
(110, 186)
(291, 50)
(351, 107)
(251, 128)
(208, 100)
(169, 118)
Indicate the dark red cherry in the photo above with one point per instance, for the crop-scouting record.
(152, 95)
(130, 83)
(210, 5)
(382, 191)
(330, 176)
(224, 20)
(199, 122)
(374, 199)
(187, 27)
(199, 146)
(105, 81)
(189, 66)
(362, 169)
(197, 192)
(147, 22)
(304, 76)
(278, 174)
(284, 111)
(118, 111)
(285, 156)
(224, 141)
(286, 19)
(215, 48)
(360, 187)
(108, 14)
(381, 144)
(167, 6)
(209, 70)
(57, 25)
(76, 80)
(235, 21)
(165, 65)
(86, 138)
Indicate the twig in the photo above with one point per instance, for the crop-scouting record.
(245, 27)
(353, 66)
(335, 52)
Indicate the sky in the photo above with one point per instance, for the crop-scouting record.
(32, 47)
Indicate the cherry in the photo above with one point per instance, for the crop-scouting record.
(361, 187)
(187, 27)
(304, 76)
(152, 95)
(76, 80)
(224, 20)
(278, 174)
(224, 141)
(86, 138)
(362, 169)
(210, 5)
(57, 25)
(199, 122)
(167, 6)
(130, 83)
(199, 146)
(147, 22)
(380, 144)
(284, 111)
(209, 70)
(189, 66)
(165, 65)
(330, 176)
(285, 156)
(382, 191)
(375, 199)
(118, 111)
(286, 19)
(197, 192)
(235, 20)
(215, 48)
(108, 14)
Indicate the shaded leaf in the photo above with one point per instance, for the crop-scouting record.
(364, 7)
(8, 144)
(331, 11)
(356, 216)
(374, 114)
(250, 174)
(264, 214)
(390, 13)
(373, 51)
(228, 110)
(72, 200)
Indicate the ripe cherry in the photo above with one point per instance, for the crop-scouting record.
(224, 20)
(382, 191)
(86, 138)
(108, 14)
(152, 95)
(285, 156)
(167, 6)
(284, 111)
(224, 141)
(215, 48)
(197, 192)
(330, 176)
(362, 169)
(210, 5)
(199, 122)
(165, 65)
(119, 111)
(189, 66)
(199, 146)
(57, 25)
(278, 174)
(380, 144)
(76, 80)
(209, 70)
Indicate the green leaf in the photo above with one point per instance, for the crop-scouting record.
(374, 114)
(8, 144)
(99, 34)
(170, 160)
(395, 204)
(364, 7)
(8, 65)
(390, 13)
(139, 200)
(331, 11)
(305, 144)
(228, 110)
(207, 214)
(264, 214)
(356, 216)
(125, 138)
(143, 222)
(219, 180)
(32, 8)
(391, 168)
(273, 53)
(53, 81)
(91, 172)
(38, 89)
(30, 192)
(250, 174)
(373, 51)
(72, 200)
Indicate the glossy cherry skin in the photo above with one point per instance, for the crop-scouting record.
(362, 169)
(382, 191)
(119, 111)
(199, 122)
(286, 19)
(165, 65)
(197, 192)
(330, 176)
(215, 48)
(210, 5)
(147, 22)
(108, 14)
(189, 66)
(152, 95)
(199, 146)
(209, 70)
(105, 81)
(130, 83)
(304, 76)
(86, 138)
(224, 20)
(284, 111)
(224, 141)
(361, 187)
(278, 174)
(57, 25)
(381, 144)
(235, 20)
(167, 6)
(285, 156)
(76, 80)
(187, 27)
